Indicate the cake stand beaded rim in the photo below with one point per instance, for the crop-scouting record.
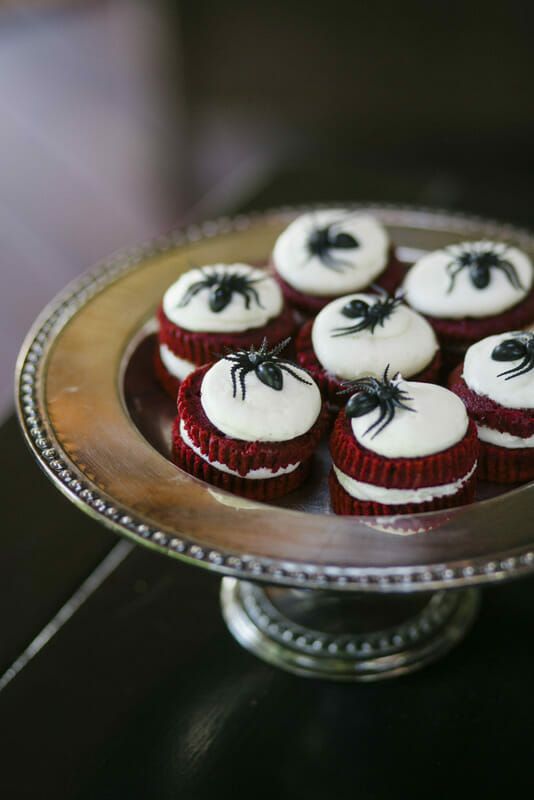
(79, 489)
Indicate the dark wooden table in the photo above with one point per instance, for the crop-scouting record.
(142, 693)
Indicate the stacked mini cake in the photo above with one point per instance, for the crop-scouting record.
(402, 447)
(359, 335)
(249, 423)
(217, 306)
(326, 254)
(471, 290)
(496, 383)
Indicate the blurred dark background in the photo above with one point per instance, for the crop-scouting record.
(120, 119)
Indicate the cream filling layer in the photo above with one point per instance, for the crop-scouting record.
(398, 497)
(262, 473)
(503, 439)
(178, 367)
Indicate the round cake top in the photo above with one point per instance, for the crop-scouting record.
(471, 279)
(360, 334)
(502, 368)
(402, 419)
(331, 252)
(222, 298)
(257, 396)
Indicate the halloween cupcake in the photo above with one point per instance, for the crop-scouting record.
(326, 254)
(214, 307)
(359, 335)
(472, 290)
(249, 423)
(402, 447)
(496, 383)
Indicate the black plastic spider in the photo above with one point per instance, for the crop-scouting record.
(371, 393)
(369, 316)
(480, 258)
(222, 286)
(264, 363)
(520, 348)
(322, 240)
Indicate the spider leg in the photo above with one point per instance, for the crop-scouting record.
(242, 374)
(359, 385)
(389, 416)
(191, 292)
(378, 421)
(233, 371)
(520, 369)
(348, 215)
(345, 331)
(334, 263)
(511, 273)
(255, 295)
(400, 404)
(293, 374)
(279, 347)
(378, 289)
(453, 269)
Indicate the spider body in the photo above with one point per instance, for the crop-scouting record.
(520, 348)
(222, 287)
(479, 259)
(265, 364)
(322, 240)
(369, 315)
(371, 393)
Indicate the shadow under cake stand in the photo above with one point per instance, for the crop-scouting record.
(336, 597)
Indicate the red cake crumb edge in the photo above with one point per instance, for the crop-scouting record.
(436, 469)
(262, 489)
(201, 347)
(240, 455)
(485, 411)
(467, 331)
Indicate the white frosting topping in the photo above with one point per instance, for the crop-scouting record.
(502, 438)
(438, 422)
(266, 414)
(262, 473)
(398, 497)
(481, 375)
(196, 315)
(176, 366)
(428, 283)
(311, 275)
(405, 341)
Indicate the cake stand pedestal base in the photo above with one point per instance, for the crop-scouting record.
(346, 637)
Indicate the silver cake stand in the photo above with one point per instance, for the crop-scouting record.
(313, 593)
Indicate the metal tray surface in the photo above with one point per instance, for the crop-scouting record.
(98, 424)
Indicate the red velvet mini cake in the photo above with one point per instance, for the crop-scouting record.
(249, 423)
(359, 335)
(212, 308)
(471, 290)
(402, 447)
(496, 383)
(329, 253)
